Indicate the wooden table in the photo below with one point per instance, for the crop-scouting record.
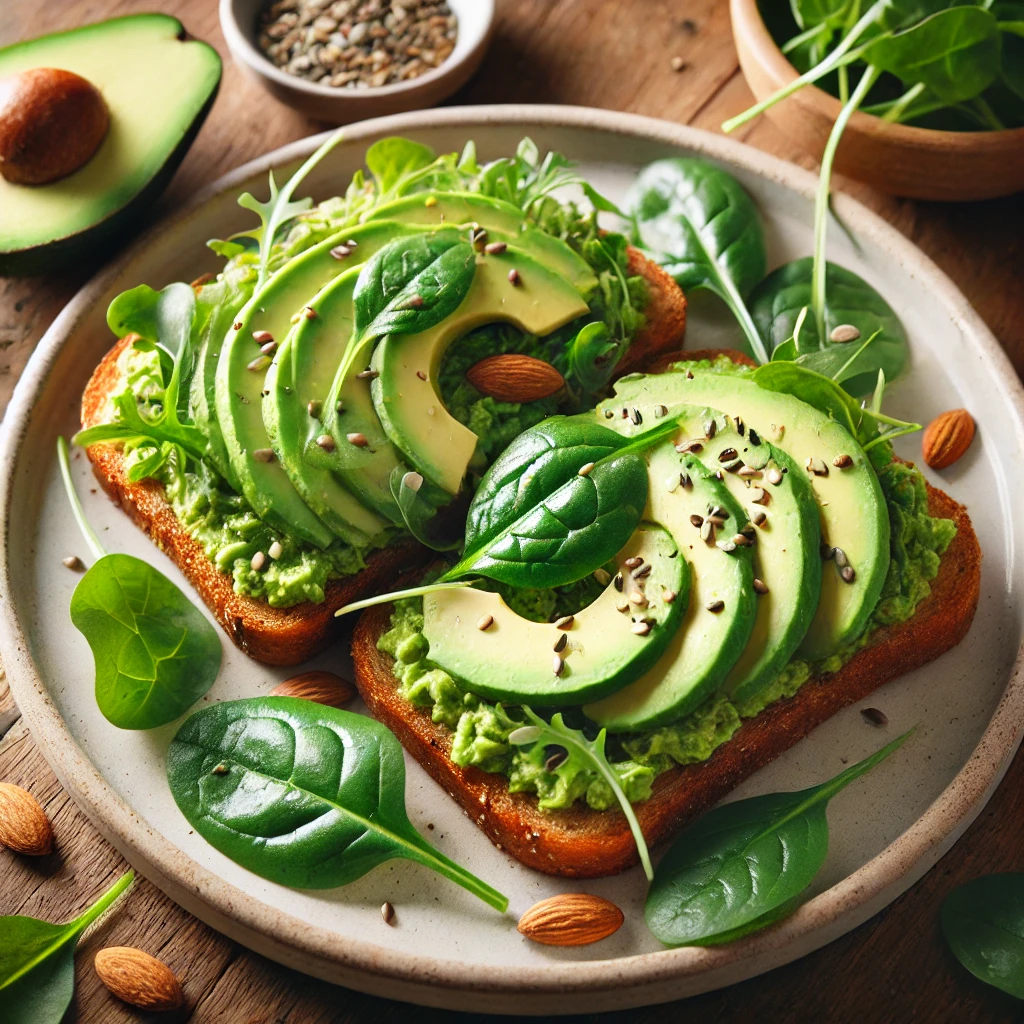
(606, 53)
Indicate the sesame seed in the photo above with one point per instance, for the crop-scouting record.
(563, 639)
(759, 496)
(219, 769)
(874, 717)
(774, 476)
(339, 252)
(760, 587)
(269, 349)
(257, 561)
(237, 325)
(728, 455)
(668, 596)
(421, 375)
(586, 470)
(74, 563)
(262, 337)
(728, 546)
(636, 597)
(633, 563)
(387, 912)
(817, 467)
(715, 606)
(495, 248)
(696, 520)
(760, 517)
(264, 455)
(484, 622)
(412, 480)
(557, 664)
(847, 574)
(368, 375)
(710, 429)
(314, 408)
(602, 576)
(844, 333)
(641, 628)
(357, 439)
(659, 411)
(326, 442)
(842, 461)
(565, 622)
(513, 277)
(309, 313)
(259, 363)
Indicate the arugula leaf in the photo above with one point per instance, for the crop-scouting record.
(592, 751)
(37, 971)
(983, 921)
(703, 228)
(745, 864)
(302, 794)
(280, 208)
(155, 652)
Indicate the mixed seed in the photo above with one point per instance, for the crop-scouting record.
(357, 44)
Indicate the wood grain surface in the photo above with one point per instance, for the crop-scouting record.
(607, 53)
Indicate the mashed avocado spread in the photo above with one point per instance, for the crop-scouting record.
(481, 728)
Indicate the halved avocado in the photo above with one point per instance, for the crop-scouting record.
(721, 608)
(538, 300)
(158, 86)
(786, 536)
(477, 638)
(852, 508)
(501, 220)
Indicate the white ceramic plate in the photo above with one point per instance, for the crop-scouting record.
(448, 949)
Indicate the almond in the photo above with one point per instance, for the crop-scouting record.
(947, 437)
(571, 919)
(24, 826)
(138, 978)
(322, 687)
(515, 378)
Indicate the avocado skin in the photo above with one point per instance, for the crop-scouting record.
(96, 242)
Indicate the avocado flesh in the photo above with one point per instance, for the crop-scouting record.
(707, 643)
(513, 659)
(405, 390)
(158, 89)
(239, 395)
(851, 506)
(503, 222)
(786, 551)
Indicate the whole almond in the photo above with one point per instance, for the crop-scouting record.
(515, 378)
(571, 919)
(322, 687)
(24, 826)
(138, 979)
(947, 437)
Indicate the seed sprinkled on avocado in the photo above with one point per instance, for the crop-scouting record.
(484, 622)
(760, 518)
(326, 442)
(608, 414)
(513, 277)
(641, 628)
(840, 556)
(710, 429)
(684, 480)
(309, 313)
(844, 333)
(556, 759)
(847, 574)
(421, 375)
(633, 563)
(262, 337)
(668, 596)
(774, 477)
(636, 597)
(237, 325)
(257, 562)
(715, 606)
(707, 531)
(557, 664)
(339, 252)
(672, 483)
(387, 912)
(741, 540)
(697, 520)
(357, 439)
(760, 587)
(495, 248)
(275, 550)
(602, 576)
(817, 467)
(314, 408)
(367, 375)
(259, 364)
(728, 546)
(759, 496)
(565, 622)
(753, 437)
(842, 461)
(749, 473)
(563, 639)
(688, 447)
(269, 348)
(659, 411)
(622, 606)
(586, 470)
(264, 455)
(636, 417)
(618, 581)
(642, 572)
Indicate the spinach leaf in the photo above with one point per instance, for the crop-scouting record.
(156, 654)
(392, 159)
(983, 922)
(703, 228)
(954, 53)
(37, 970)
(537, 463)
(810, 13)
(419, 515)
(589, 752)
(592, 356)
(302, 794)
(745, 864)
(775, 306)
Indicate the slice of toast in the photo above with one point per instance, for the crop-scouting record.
(580, 843)
(288, 636)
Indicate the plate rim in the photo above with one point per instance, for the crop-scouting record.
(364, 965)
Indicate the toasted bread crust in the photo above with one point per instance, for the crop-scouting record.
(580, 843)
(288, 636)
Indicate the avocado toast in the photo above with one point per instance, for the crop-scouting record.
(817, 612)
(288, 504)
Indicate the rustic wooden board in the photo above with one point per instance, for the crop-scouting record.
(605, 53)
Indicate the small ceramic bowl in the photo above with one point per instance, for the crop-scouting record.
(335, 105)
(919, 163)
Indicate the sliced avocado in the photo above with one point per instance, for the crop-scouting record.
(477, 638)
(294, 411)
(405, 396)
(721, 610)
(158, 86)
(786, 536)
(852, 508)
(502, 221)
(240, 393)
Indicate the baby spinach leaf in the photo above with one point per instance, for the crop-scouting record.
(419, 515)
(156, 654)
(745, 864)
(302, 794)
(954, 53)
(392, 159)
(592, 356)
(775, 305)
(983, 922)
(37, 971)
(590, 752)
(535, 465)
(702, 227)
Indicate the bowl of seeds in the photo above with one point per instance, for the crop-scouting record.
(344, 60)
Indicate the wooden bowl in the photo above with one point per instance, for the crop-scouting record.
(919, 163)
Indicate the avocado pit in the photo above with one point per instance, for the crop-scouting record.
(51, 124)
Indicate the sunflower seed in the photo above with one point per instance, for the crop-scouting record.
(844, 333)
(760, 587)
(484, 623)
(264, 455)
(563, 639)
(842, 461)
(641, 628)
(874, 716)
(715, 606)
(565, 622)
